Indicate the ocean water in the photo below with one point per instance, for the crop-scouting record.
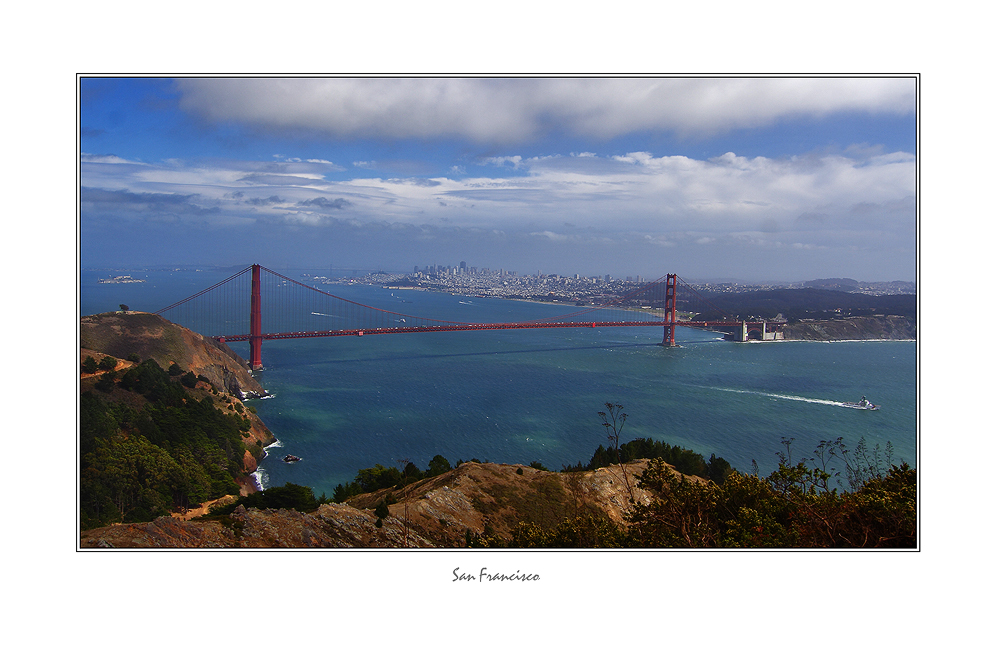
(516, 396)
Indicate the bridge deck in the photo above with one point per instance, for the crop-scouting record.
(480, 326)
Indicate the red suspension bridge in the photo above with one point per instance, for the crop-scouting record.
(258, 304)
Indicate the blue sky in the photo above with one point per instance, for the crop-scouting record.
(748, 178)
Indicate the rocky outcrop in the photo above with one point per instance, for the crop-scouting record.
(331, 526)
(432, 513)
(858, 328)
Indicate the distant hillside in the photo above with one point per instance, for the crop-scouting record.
(834, 284)
(796, 304)
(857, 328)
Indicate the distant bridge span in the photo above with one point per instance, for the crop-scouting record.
(286, 301)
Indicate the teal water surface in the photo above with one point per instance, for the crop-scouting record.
(345, 403)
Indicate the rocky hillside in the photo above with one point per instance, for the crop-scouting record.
(432, 513)
(858, 328)
(121, 334)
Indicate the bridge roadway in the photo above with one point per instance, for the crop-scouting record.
(482, 326)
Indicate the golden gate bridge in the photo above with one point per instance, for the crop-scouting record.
(258, 304)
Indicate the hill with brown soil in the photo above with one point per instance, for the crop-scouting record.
(432, 513)
(149, 336)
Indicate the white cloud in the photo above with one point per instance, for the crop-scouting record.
(106, 159)
(552, 236)
(659, 240)
(514, 110)
(791, 205)
(514, 160)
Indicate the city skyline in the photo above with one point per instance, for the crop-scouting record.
(743, 178)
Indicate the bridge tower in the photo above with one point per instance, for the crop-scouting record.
(670, 310)
(256, 340)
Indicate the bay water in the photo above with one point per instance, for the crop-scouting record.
(518, 396)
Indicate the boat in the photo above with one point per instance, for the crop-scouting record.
(864, 403)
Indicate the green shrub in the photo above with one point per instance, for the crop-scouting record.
(106, 382)
(288, 496)
(377, 477)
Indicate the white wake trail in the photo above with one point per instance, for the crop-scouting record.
(801, 399)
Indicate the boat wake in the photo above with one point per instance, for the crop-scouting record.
(781, 396)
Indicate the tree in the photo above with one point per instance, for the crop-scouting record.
(89, 365)
(718, 469)
(108, 363)
(123, 307)
(437, 466)
(377, 477)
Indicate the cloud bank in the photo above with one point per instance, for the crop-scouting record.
(511, 111)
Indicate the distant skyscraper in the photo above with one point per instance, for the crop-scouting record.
(462, 266)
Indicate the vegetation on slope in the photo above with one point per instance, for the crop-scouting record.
(382, 477)
(797, 506)
(288, 496)
(148, 336)
(148, 445)
(685, 461)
